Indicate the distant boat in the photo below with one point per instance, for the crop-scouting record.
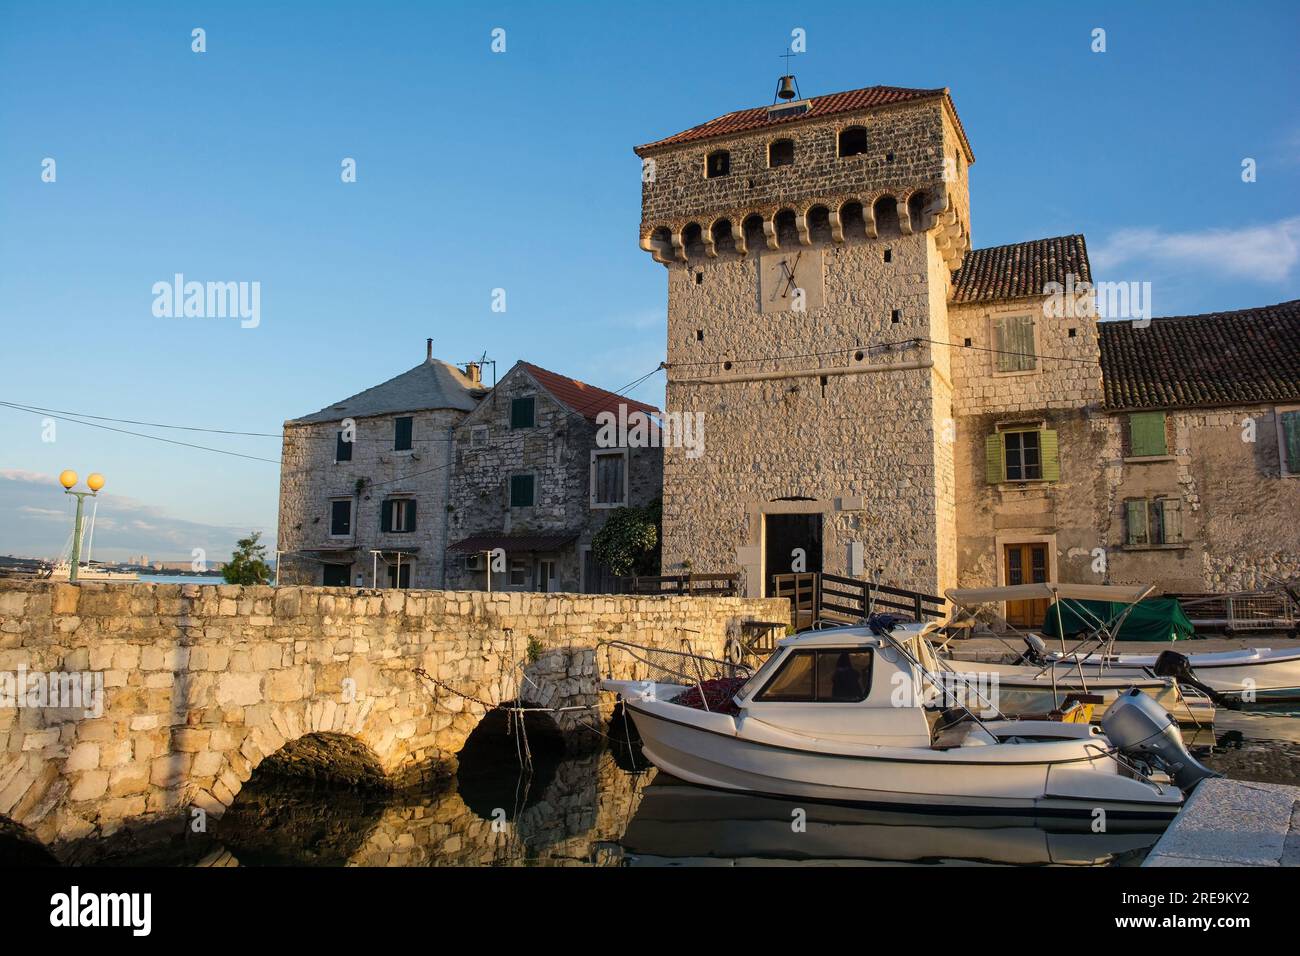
(61, 570)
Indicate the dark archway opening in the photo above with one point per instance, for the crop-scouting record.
(787, 234)
(755, 238)
(493, 773)
(886, 213)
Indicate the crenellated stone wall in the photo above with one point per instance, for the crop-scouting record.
(201, 683)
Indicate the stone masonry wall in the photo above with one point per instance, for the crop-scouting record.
(310, 479)
(201, 683)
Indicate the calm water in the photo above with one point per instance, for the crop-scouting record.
(607, 808)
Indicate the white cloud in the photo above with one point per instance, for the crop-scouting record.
(1266, 253)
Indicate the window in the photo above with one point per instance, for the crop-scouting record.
(781, 153)
(342, 448)
(399, 576)
(335, 575)
(341, 517)
(1288, 440)
(608, 479)
(717, 163)
(478, 436)
(1022, 454)
(402, 428)
(1151, 522)
(1146, 434)
(837, 675)
(519, 575)
(397, 515)
(523, 412)
(853, 141)
(1013, 340)
(521, 491)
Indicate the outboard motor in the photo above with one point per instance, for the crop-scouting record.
(1140, 728)
(1035, 650)
(1175, 665)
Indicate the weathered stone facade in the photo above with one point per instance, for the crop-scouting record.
(557, 450)
(887, 407)
(201, 683)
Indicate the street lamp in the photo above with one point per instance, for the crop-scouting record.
(94, 482)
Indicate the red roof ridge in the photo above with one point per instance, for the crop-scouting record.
(584, 399)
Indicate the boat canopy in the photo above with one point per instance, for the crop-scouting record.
(1052, 591)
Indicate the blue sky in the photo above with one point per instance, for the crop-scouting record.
(478, 171)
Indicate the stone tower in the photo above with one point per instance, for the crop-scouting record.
(809, 248)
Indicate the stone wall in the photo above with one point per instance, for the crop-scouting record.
(201, 683)
(310, 479)
(557, 452)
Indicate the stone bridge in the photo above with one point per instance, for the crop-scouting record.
(201, 683)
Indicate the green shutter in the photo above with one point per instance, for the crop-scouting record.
(1291, 443)
(1135, 521)
(1171, 519)
(994, 460)
(1147, 434)
(1049, 449)
(410, 515)
(386, 515)
(1001, 342)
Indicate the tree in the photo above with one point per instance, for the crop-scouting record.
(628, 541)
(247, 564)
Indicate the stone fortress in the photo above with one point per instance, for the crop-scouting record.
(884, 400)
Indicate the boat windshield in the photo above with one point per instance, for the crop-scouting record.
(760, 676)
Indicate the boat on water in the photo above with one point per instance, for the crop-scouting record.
(62, 571)
(850, 715)
(1256, 675)
(1034, 681)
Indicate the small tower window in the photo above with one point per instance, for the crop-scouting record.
(889, 255)
(853, 141)
(717, 163)
(781, 153)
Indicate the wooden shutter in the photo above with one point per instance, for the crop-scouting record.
(1171, 519)
(1146, 432)
(1023, 337)
(402, 433)
(1002, 343)
(1049, 449)
(410, 516)
(994, 459)
(1290, 443)
(386, 515)
(1135, 521)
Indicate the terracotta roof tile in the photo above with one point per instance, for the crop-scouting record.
(587, 400)
(1220, 358)
(850, 101)
(1020, 270)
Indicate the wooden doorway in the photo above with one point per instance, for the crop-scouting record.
(1026, 564)
(793, 544)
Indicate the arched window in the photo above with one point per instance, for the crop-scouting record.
(819, 224)
(781, 153)
(723, 241)
(752, 228)
(852, 219)
(916, 210)
(693, 239)
(787, 233)
(717, 163)
(853, 141)
(886, 212)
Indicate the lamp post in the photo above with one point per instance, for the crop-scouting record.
(94, 482)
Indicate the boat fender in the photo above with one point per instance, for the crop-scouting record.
(1175, 665)
(735, 651)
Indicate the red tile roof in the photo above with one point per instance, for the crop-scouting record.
(587, 400)
(1020, 270)
(1245, 357)
(818, 107)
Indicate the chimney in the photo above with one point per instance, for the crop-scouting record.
(474, 372)
(428, 350)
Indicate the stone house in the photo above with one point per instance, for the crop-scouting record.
(883, 400)
(534, 479)
(406, 483)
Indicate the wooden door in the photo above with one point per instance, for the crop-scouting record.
(1026, 564)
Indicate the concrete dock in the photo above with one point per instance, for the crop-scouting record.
(1233, 823)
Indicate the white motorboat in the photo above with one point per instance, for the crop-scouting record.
(848, 716)
(62, 571)
(1252, 675)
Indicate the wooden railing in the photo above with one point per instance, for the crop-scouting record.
(816, 596)
(698, 585)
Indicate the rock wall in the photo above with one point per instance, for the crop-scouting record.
(201, 683)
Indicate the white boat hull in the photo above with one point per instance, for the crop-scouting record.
(1255, 675)
(1066, 777)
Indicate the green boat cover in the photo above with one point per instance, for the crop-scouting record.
(1155, 619)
